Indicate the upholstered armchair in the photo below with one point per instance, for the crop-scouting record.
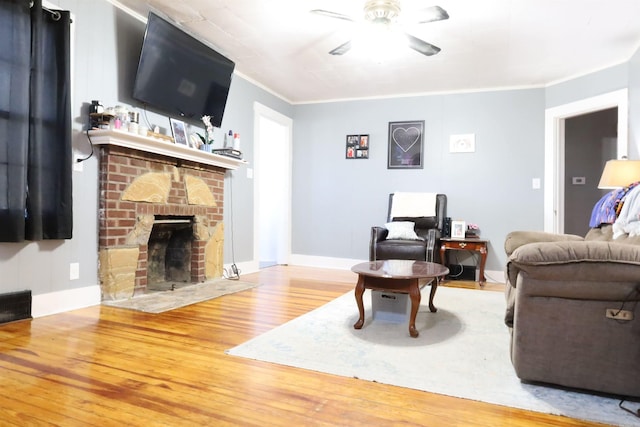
(415, 222)
(573, 309)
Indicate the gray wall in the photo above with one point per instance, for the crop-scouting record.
(105, 54)
(43, 267)
(587, 86)
(335, 201)
(634, 106)
(338, 200)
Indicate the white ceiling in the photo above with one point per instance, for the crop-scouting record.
(486, 44)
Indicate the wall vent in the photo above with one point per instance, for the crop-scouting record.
(15, 306)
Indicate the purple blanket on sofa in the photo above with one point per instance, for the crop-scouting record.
(607, 209)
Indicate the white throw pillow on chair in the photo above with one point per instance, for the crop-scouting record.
(401, 230)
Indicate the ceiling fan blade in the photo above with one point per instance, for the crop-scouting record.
(433, 13)
(421, 46)
(342, 49)
(330, 14)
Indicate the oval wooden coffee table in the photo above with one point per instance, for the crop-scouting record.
(400, 276)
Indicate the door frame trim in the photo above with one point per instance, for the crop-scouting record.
(554, 148)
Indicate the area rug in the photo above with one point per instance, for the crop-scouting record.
(462, 351)
(159, 302)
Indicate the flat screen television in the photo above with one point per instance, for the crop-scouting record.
(180, 76)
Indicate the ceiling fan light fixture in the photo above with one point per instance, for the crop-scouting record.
(382, 18)
(377, 40)
(382, 11)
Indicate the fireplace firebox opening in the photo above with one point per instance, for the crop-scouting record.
(169, 252)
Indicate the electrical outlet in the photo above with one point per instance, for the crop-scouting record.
(77, 166)
(617, 314)
(74, 271)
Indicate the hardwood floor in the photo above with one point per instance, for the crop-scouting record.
(106, 366)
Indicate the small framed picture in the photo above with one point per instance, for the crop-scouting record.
(462, 143)
(458, 229)
(357, 147)
(179, 132)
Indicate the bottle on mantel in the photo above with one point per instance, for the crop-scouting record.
(228, 140)
(236, 141)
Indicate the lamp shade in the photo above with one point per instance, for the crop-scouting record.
(619, 173)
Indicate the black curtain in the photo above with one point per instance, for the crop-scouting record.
(35, 123)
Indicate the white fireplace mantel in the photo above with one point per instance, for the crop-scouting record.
(162, 147)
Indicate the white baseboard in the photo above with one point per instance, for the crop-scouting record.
(302, 261)
(72, 299)
(245, 267)
(325, 262)
(61, 301)
(494, 276)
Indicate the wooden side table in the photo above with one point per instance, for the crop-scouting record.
(470, 244)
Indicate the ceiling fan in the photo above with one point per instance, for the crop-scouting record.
(385, 14)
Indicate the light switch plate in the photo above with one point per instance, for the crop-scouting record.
(535, 183)
(578, 180)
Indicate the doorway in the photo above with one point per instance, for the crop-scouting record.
(272, 186)
(590, 140)
(555, 145)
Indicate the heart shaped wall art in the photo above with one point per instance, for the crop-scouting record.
(405, 145)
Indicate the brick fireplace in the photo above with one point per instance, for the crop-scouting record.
(160, 213)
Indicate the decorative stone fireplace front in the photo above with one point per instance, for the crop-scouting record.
(150, 189)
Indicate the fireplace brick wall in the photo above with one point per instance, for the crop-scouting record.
(135, 186)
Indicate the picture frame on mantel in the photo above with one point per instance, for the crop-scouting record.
(179, 131)
(406, 145)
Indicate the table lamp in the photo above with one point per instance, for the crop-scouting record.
(619, 173)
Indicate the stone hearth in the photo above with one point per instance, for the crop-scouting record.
(138, 189)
